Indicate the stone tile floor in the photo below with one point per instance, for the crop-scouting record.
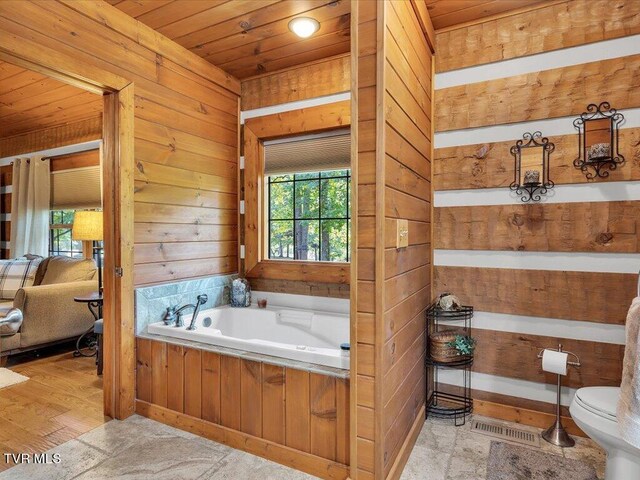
(445, 452)
(139, 449)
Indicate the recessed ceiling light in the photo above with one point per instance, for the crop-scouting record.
(304, 27)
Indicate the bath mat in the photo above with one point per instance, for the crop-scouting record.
(8, 378)
(511, 462)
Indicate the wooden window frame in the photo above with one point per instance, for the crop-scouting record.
(256, 131)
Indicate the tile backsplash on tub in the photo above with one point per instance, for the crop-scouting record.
(152, 302)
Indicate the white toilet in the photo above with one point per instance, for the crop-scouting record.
(594, 411)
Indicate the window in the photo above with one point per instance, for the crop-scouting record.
(309, 216)
(60, 242)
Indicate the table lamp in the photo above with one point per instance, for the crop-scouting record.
(87, 226)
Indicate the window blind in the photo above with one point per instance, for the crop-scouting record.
(76, 189)
(311, 153)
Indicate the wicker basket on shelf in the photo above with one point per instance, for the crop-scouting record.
(440, 350)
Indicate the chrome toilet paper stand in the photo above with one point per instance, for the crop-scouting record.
(556, 434)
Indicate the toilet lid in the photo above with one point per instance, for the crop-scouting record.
(599, 400)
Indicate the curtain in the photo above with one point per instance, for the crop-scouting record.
(30, 207)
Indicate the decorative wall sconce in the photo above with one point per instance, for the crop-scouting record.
(598, 140)
(531, 179)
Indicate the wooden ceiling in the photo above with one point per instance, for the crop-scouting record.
(30, 101)
(247, 37)
(448, 13)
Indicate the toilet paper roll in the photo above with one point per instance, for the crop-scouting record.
(554, 362)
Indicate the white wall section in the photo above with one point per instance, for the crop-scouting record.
(287, 107)
(509, 386)
(569, 261)
(575, 193)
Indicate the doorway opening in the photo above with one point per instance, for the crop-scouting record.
(65, 212)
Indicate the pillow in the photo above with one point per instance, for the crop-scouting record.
(66, 269)
(42, 269)
(16, 274)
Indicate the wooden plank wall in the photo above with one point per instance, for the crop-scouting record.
(320, 78)
(304, 411)
(316, 79)
(367, 410)
(70, 161)
(575, 22)
(186, 130)
(407, 195)
(602, 227)
(394, 182)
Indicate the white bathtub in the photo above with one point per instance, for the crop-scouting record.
(303, 335)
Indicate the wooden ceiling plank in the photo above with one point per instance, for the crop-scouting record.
(36, 106)
(216, 22)
(135, 8)
(288, 40)
(8, 70)
(300, 58)
(19, 80)
(286, 51)
(249, 36)
(42, 91)
(438, 8)
(175, 11)
(321, 13)
(56, 114)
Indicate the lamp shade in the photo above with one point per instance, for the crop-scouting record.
(87, 225)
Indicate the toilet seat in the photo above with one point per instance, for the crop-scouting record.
(601, 401)
(593, 409)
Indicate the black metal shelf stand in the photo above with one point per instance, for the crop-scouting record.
(448, 404)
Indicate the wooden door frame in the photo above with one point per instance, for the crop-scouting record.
(118, 171)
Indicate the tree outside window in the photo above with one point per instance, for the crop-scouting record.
(309, 216)
(60, 242)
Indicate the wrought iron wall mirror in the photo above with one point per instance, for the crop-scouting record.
(598, 140)
(531, 179)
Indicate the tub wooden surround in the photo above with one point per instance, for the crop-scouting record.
(291, 416)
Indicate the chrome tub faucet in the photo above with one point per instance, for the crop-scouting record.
(202, 299)
(172, 315)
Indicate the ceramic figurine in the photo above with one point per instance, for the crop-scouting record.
(240, 293)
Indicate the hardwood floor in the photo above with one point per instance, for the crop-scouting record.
(61, 400)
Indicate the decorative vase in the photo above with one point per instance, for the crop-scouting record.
(240, 293)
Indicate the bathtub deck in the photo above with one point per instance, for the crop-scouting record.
(257, 357)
